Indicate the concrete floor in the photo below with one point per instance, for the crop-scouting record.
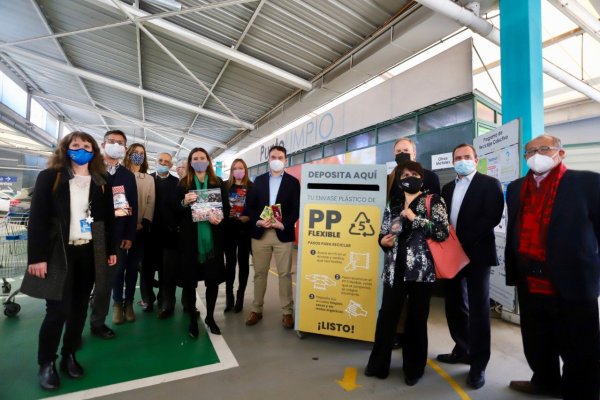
(275, 363)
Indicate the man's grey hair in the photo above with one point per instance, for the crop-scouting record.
(181, 163)
(405, 139)
(556, 142)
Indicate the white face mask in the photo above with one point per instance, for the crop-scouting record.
(114, 150)
(276, 165)
(540, 164)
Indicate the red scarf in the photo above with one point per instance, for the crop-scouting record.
(535, 212)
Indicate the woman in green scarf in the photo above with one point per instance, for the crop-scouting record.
(202, 236)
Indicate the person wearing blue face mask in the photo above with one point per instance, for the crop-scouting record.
(126, 275)
(475, 203)
(160, 253)
(69, 242)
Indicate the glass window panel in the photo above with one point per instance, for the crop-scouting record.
(363, 140)
(498, 118)
(297, 159)
(37, 115)
(314, 154)
(13, 96)
(333, 149)
(483, 129)
(485, 113)
(397, 130)
(441, 141)
(451, 115)
(52, 125)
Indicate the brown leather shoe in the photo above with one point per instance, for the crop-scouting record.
(287, 321)
(253, 318)
(530, 388)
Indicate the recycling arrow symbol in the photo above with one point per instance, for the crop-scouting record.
(362, 226)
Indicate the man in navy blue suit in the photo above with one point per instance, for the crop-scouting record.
(273, 237)
(124, 190)
(553, 257)
(475, 204)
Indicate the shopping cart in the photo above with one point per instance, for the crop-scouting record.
(13, 257)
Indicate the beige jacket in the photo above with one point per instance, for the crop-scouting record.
(146, 196)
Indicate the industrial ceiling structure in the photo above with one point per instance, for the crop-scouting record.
(176, 75)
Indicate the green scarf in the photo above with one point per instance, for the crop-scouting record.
(205, 238)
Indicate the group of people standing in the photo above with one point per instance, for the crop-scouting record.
(95, 221)
(473, 203)
(552, 256)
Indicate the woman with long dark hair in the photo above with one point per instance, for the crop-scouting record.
(127, 271)
(237, 247)
(408, 272)
(201, 243)
(68, 240)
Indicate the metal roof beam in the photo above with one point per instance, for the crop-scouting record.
(579, 15)
(490, 32)
(51, 63)
(203, 7)
(218, 49)
(168, 130)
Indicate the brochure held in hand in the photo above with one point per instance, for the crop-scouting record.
(209, 202)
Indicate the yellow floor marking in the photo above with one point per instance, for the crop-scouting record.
(459, 390)
(348, 383)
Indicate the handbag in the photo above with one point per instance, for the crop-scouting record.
(449, 258)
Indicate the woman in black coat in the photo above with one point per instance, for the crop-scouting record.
(68, 240)
(408, 272)
(201, 243)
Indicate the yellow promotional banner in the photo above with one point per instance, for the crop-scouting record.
(339, 256)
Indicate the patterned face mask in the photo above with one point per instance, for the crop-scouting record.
(137, 158)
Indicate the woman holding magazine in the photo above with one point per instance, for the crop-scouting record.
(237, 247)
(204, 202)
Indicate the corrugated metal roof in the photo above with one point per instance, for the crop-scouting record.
(300, 37)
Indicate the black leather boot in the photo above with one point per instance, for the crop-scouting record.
(229, 300)
(239, 302)
(193, 329)
(70, 366)
(49, 379)
(212, 325)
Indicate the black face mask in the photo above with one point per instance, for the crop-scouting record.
(402, 157)
(411, 185)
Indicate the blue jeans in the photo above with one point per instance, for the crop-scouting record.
(127, 270)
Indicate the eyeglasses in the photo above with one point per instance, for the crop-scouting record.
(540, 150)
(113, 141)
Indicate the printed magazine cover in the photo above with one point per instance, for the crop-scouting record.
(122, 208)
(208, 203)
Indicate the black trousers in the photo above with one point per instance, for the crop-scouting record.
(167, 279)
(188, 298)
(554, 328)
(414, 350)
(237, 251)
(70, 312)
(468, 314)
